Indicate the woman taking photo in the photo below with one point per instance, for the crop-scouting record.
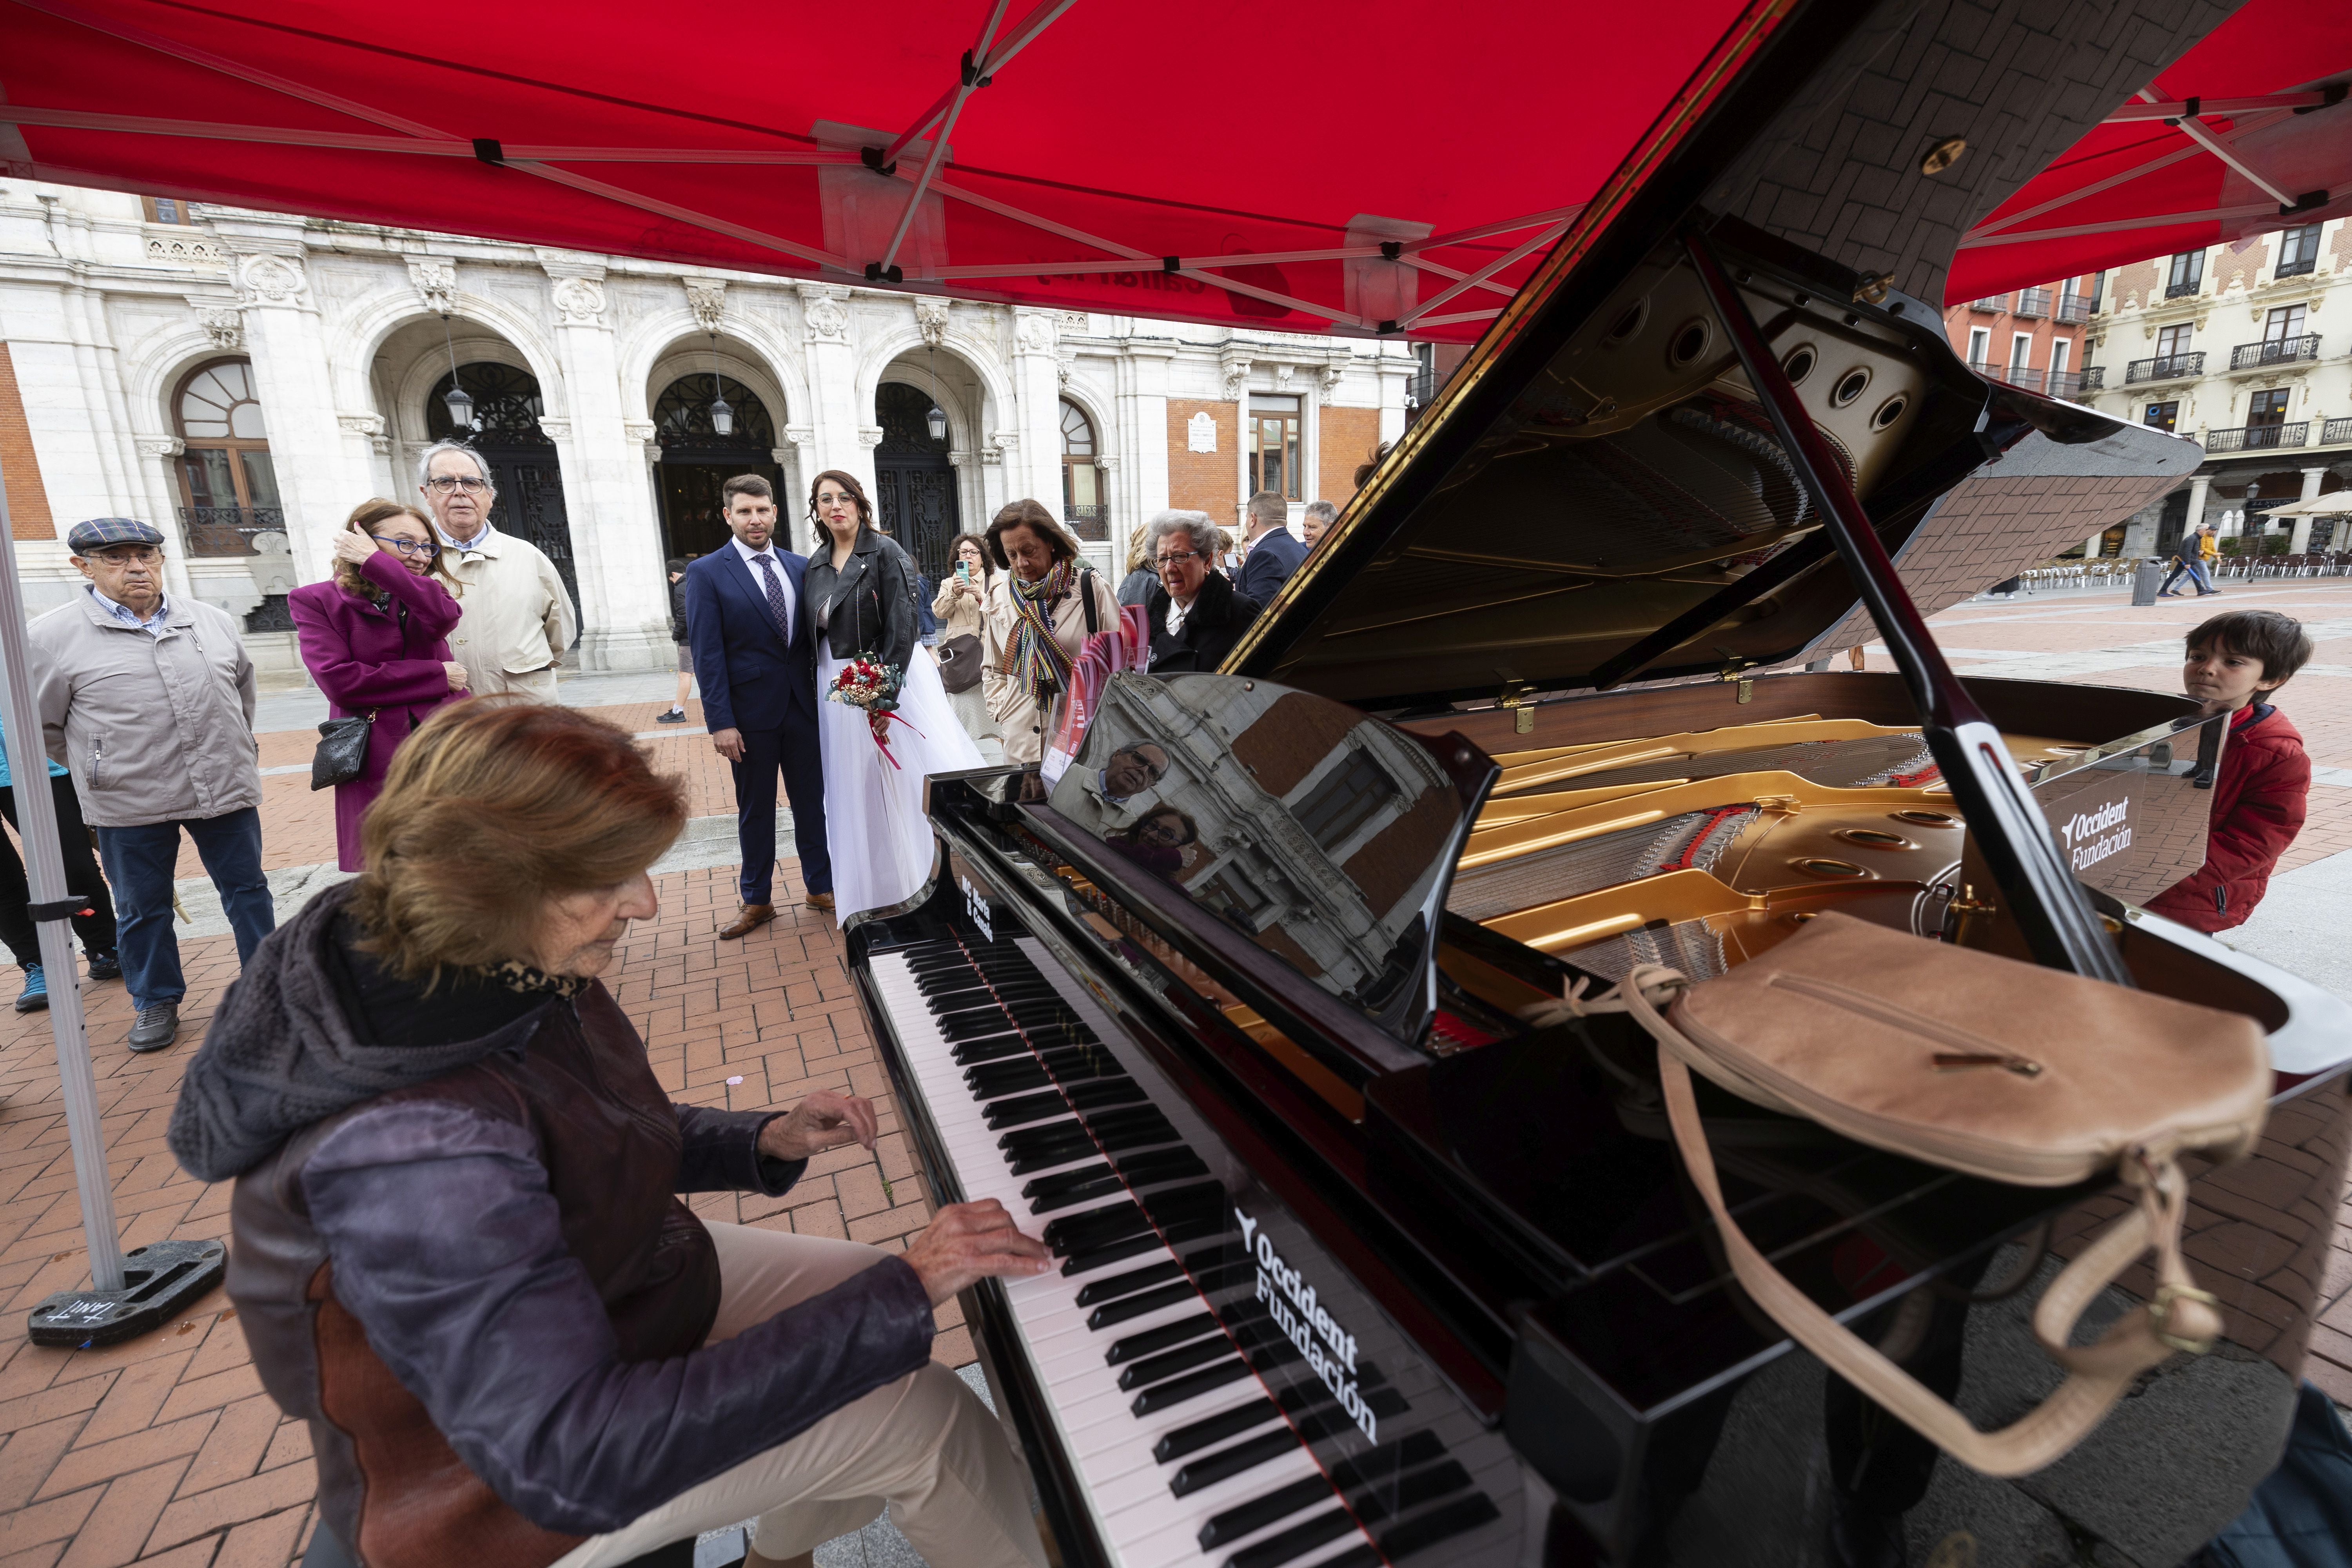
(376, 638)
(860, 587)
(1197, 614)
(457, 1250)
(1041, 610)
(962, 607)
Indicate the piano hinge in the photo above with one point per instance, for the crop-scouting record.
(1735, 669)
(1517, 696)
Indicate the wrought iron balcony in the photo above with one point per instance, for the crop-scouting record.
(2182, 290)
(2066, 383)
(1995, 303)
(2074, 308)
(228, 530)
(2032, 302)
(2094, 377)
(1091, 523)
(2164, 367)
(2301, 266)
(2258, 438)
(2021, 375)
(2275, 351)
(2335, 432)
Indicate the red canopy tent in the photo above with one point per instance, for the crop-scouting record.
(2249, 131)
(1230, 161)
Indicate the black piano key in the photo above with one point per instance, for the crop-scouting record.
(1301, 1396)
(1296, 1541)
(999, 1047)
(1162, 1166)
(1023, 1110)
(1193, 1437)
(1385, 1403)
(1395, 1497)
(1225, 1278)
(1317, 1424)
(942, 1003)
(1008, 1077)
(1129, 1283)
(1032, 1142)
(1095, 1181)
(1377, 1467)
(1225, 1463)
(1108, 1223)
(1151, 1341)
(1282, 1352)
(1168, 1364)
(1128, 1308)
(1453, 1519)
(1176, 1391)
(1357, 1557)
(1062, 1181)
(1095, 1257)
(1173, 1205)
(1224, 1528)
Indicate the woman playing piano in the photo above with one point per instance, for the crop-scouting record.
(458, 1252)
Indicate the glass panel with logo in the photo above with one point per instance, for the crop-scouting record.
(2162, 415)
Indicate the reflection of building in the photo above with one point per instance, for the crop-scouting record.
(2248, 349)
(1321, 833)
(2030, 338)
(238, 373)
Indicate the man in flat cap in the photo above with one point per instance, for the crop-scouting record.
(149, 703)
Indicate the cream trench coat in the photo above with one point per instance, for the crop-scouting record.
(515, 617)
(1020, 723)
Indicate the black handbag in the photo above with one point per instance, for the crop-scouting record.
(958, 662)
(343, 751)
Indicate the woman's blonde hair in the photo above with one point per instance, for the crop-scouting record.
(495, 806)
(365, 519)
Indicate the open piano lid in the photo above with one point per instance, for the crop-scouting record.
(1598, 496)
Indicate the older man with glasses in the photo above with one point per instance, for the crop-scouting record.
(149, 703)
(516, 614)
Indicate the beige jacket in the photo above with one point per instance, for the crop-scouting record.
(514, 615)
(1019, 720)
(960, 614)
(154, 728)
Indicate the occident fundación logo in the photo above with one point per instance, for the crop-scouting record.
(2092, 837)
(1329, 1349)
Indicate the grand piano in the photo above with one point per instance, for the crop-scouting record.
(1357, 1266)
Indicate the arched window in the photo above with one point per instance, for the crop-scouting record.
(228, 490)
(1085, 500)
(682, 420)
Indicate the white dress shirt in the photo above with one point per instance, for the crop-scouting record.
(752, 558)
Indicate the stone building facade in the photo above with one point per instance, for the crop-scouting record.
(2246, 348)
(246, 378)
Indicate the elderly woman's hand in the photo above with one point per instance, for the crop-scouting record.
(966, 1243)
(824, 1121)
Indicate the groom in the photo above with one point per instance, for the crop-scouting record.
(756, 659)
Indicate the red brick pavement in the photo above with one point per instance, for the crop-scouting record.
(166, 1451)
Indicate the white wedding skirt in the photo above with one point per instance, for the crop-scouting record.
(882, 845)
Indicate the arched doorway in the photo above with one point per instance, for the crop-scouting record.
(519, 456)
(914, 483)
(696, 461)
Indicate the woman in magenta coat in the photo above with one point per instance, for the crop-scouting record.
(376, 638)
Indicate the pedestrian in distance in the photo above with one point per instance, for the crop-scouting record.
(1274, 552)
(2195, 560)
(94, 923)
(755, 654)
(518, 616)
(1319, 516)
(376, 638)
(1196, 614)
(1136, 585)
(877, 754)
(676, 712)
(149, 701)
(2236, 664)
(960, 607)
(1041, 609)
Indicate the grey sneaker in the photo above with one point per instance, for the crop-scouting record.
(158, 1025)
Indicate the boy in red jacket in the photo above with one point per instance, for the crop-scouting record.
(2235, 662)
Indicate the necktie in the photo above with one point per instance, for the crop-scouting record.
(776, 604)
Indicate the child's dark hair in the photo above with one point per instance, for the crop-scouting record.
(2277, 640)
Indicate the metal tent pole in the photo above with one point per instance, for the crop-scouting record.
(44, 869)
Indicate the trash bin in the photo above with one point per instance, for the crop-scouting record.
(2146, 581)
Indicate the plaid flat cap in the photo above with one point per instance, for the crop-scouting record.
(101, 531)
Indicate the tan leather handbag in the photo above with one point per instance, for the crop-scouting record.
(1983, 1065)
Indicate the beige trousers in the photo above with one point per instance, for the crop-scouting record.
(925, 1444)
(538, 685)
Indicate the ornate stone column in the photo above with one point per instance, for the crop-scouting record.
(2301, 539)
(836, 421)
(1141, 412)
(616, 537)
(1035, 469)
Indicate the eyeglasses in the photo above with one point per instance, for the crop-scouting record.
(409, 546)
(1178, 556)
(471, 484)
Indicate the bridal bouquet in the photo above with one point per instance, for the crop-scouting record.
(866, 682)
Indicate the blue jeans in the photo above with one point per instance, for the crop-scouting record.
(140, 862)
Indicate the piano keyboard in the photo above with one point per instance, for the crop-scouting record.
(1189, 1414)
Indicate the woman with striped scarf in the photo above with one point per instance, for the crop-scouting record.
(1041, 607)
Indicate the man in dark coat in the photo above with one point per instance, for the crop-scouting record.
(1274, 552)
(677, 714)
(746, 621)
(1196, 614)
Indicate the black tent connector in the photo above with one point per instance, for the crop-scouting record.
(1392, 249)
(487, 150)
(2304, 202)
(2329, 97)
(872, 158)
(877, 273)
(1385, 328)
(969, 75)
(1171, 264)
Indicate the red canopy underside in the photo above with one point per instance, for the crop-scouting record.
(2137, 187)
(1115, 137)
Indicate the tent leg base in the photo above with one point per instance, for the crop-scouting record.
(160, 1281)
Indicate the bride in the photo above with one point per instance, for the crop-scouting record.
(861, 589)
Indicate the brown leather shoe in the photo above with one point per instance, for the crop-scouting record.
(819, 900)
(748, 919)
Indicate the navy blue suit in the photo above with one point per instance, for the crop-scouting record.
(1270, 563)
(755, 683)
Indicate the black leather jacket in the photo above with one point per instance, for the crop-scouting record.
(868, 605)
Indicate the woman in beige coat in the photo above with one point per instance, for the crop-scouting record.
(1041, 609)
(962, 607)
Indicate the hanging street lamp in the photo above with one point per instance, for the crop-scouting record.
(460, 406)
(722, 419)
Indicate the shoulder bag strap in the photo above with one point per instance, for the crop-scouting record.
(2181, 1317)
(1087, 595)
